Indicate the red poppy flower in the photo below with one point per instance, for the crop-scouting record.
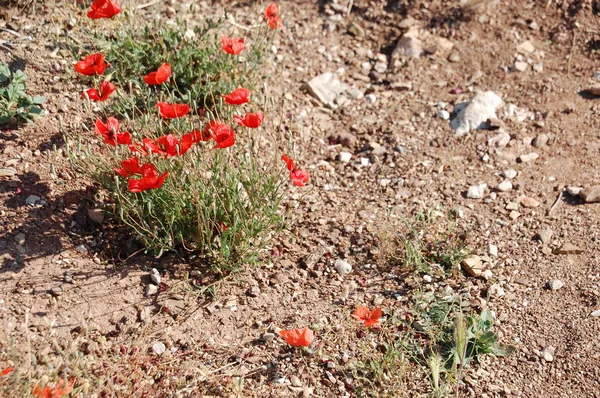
(272, 15)
(222, 133)
(298, 337)
(58, 391)
(232, 45)
(104, 9)
(238, 96)
(129, 167)
(161, 75)
(91, 65)
(150, 179)
(106, 89)
(222, 226)
(199, 135)
(369, 318)
(111, 134)
(173, 111)
(298, 177)
(6, 371)
(250, 120)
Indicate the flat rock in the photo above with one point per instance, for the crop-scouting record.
(590, 194)
(499, 141)
(595, 313)
(529, 157)
(526, 48)
(505, 186)
(20, 238)
(568, 248)
(32, 199)
(474, 114)
(528, 202)
(472, 265)
(159, 348)
(555, 284)
(594, 90)
(509, 174)
(574, 191)
(521, 66)
(327, 87)
(342, 267)
(96, 215)
(409, 46)
(545, 235)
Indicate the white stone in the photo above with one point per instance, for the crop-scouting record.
(525, 48)
(493, 250)
(521, 66)
(371, 98)
(555, 284)
(342, 267)
(500, 140)
(505, 186)
(476, 191)
(151, 290)
(327, 87)
(409, 46)
(510, 173)
(443, 114)
(427, 278)
(159, 348)
(345, 157)
(529, 157)
(480, 108)
(595, 313)
(496, 291)
(574, 191)
(155, 276)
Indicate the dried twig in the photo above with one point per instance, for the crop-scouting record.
(146, 5)
(556, 202)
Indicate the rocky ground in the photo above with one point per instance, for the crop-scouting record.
(483, 110)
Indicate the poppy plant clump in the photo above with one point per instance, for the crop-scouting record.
(110, 132)
(91, 65)
(232, 46)
(173, 111)
(298, 337)
(150, 179)
(368, 317)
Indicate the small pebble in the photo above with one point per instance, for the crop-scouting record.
(510, 174)
(155, 276)
(505, 186)
(159, 348)
(443, 114)
(493, 250)
(342, 267)
(345, 157)
(476, 191)
(555, 284)
(151, 290)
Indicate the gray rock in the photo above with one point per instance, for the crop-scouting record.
(254, 291)
(540, 141)
(371, 98)
(496, 291)
(56, 291)
(473, 115)
(327, 88)
(7, 171)
(555, 284)
(443, 114)
(342, 267)
(595, 313)
(151, 290)
(591, 194)
(347, 140)
(96, 215)
(499, 141)
(409, 46)
(268, 336)
(32, 199)
(545, 235)
(476, 191)
(20, 238)
(81, 249)
(574, 191)
(145, 314)
(159, 348)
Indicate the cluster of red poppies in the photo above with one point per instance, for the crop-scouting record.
(169, 145)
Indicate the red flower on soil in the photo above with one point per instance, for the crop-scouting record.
(173, 111)
(232, 45)
(272, 15)
(104, 9)
(106, 89)
(250, 120)
(369, 318)
(223, 134)
(58, 391)
(6, 371)
(111, 134)
(150, 179)
(161, 75)
(91, 65)
(238, 96)
(129, 167)
(298, 177)
(298, 337)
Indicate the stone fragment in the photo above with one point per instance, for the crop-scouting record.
(568, 248)
(594, 90)
(327, 88)
(96, 215)
(472, 265)
(409, 46)
(555, 284)
(7, 171)
(529, 157)
(159, 348)
(474, 114)
(476, 191)
(151, 290)
(510, 174)
(505, 186)
(526, 48)
(521, 66)
(590, 194)
(545, 235)
(528, 202)
(20, 238)
(342, 267)
(574, 191)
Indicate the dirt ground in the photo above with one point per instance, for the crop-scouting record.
(72, 277)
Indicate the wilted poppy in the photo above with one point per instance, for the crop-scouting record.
(238, 96)
(161, 75)
(232, 45)
(298, 337)
(172, 111)
(110, 132)
(250, 120)
(298, 177)
(91, 65)
(104, 9)
(129, 167)
(56, 392)
(150, 179)
(369, 318)
(272, 15)
(106, 89)
(223, 134)
(6, 371)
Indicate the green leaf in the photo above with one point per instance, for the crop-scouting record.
(4, 72)
(36, 110)
(38, 99)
